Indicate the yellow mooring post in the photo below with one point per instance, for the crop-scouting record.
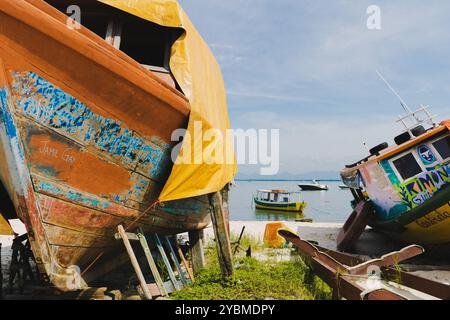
(221, 232)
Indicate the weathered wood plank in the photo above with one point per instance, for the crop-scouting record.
(174, 258)
(222, 235)
(135, 263)
(151, 263)
(166, 262)
(197, 250)
(185, 263)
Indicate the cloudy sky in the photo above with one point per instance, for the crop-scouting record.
(308, 68)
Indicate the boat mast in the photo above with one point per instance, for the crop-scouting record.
(409, 112)
(402, 102)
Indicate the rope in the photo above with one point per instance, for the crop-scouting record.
(139, 217)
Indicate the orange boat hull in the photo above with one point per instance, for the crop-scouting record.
(84, 141)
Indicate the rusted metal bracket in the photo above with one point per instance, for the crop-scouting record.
(355, 226)
(343, 273)
(388, 260)
(433, 288)
(237, 245)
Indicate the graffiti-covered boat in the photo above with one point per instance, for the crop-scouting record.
(90, 94)
(406, 185)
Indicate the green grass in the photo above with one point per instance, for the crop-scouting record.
(246, 241)
(256, 280)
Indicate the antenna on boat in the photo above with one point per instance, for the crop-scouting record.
(402, 102)
(409, 112)
(365, 145)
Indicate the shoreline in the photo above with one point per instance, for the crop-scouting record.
(371, 245)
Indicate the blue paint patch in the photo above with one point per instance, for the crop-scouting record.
(50, 106)
(74, 196)
(5, 114)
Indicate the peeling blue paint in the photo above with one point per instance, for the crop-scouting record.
(52, 107)
(49, 106)
(187, 207)
(5, 114)
(8, 121)
(74, 196)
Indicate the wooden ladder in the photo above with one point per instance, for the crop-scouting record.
(150, 290)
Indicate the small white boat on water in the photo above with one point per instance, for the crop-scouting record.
(314, 186)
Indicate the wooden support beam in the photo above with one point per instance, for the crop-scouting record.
(151, 263)
(130, 236)
(183, 259)
(167, 263)
(176, 262)
(197, 250)
(134, 262)
(225, 206)
(221, 233)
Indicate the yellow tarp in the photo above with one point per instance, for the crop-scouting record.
(198, 74)
(5, 228)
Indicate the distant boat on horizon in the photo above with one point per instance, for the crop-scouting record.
(314, 186)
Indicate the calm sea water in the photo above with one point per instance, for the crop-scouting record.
(323, 206)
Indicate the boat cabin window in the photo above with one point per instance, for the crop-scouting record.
(407, 166)
(97, 23)
(263, 196)
(146, 42)
(94, 15)
(273, 197)
(442, 146)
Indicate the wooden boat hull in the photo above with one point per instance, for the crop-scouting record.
(284, 207)
(427, 224)
(84, 142)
